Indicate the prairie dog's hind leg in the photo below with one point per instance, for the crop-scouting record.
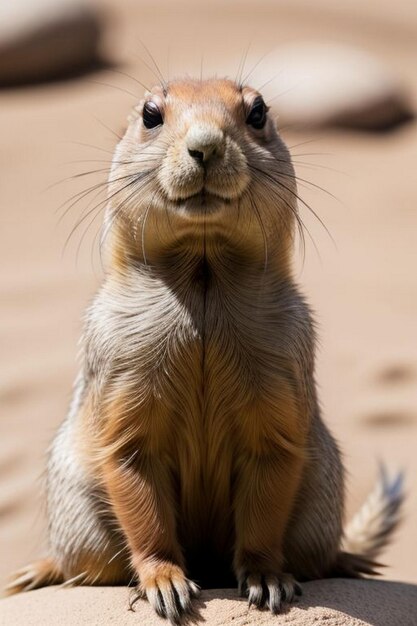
(313, 537)
(85, 541)
(85, 544)
(37, 574)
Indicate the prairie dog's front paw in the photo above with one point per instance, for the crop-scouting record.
(168, 590)
(268, 590)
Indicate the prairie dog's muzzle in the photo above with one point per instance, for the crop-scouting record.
(205, 141)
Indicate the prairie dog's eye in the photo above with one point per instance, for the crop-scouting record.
(257, 114)
(151, 115)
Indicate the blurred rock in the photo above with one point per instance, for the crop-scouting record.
(333, 85)
(46, 39)
(331, 602)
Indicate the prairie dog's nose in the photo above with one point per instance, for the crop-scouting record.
(204, 141)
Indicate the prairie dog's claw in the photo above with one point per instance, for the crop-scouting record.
(169, 592)
(268, 590)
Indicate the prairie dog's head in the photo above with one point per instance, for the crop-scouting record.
(203, 151)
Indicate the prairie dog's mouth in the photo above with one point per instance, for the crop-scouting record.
(205, 193)
(204, 196)
(202, 202)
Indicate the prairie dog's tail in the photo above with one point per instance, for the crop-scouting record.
(371, 528)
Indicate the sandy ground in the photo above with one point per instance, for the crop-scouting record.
(363, 288)
(330, 602)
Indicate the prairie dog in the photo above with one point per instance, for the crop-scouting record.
(194, 451)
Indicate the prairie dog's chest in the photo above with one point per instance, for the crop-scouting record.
(197, 343)
(205, 350)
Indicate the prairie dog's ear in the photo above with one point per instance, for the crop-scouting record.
(156, 92)
(275, 119)
(136, 112)
(132, 117)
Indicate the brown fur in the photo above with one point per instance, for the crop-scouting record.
(194, 443)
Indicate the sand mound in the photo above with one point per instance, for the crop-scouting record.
(44, 39)
(333, 602)
(328, 84)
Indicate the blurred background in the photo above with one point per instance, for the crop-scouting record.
(341, 80)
